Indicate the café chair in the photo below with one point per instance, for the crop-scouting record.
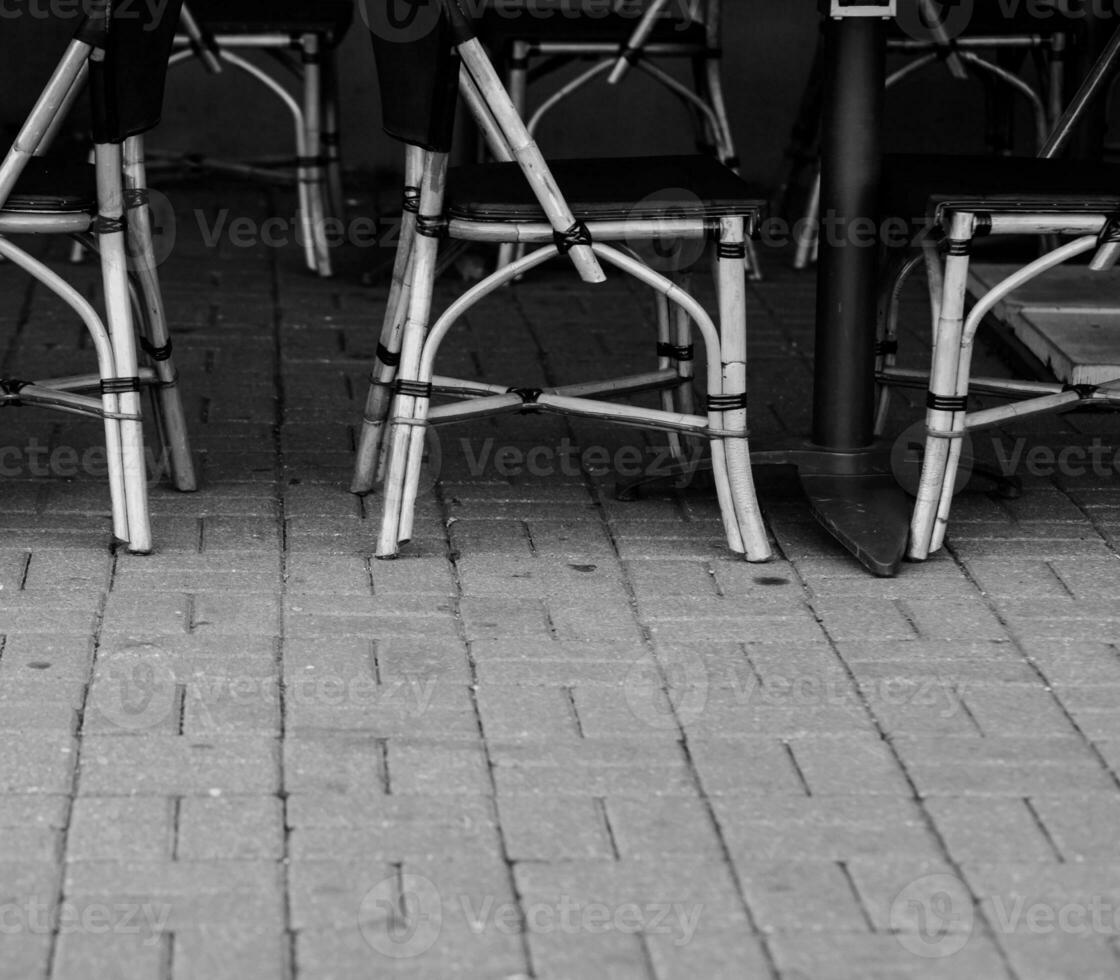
(982, 52)
(120, 54)
(571, 209)
(969, 198)
(302, 36)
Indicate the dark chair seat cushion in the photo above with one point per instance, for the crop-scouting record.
(544, 21)
(330, 18)
(50, 186)
(606, 190)
(914, 184)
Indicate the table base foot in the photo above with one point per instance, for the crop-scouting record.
(854, 495)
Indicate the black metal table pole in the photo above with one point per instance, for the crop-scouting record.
(855, 66)
(846, 477)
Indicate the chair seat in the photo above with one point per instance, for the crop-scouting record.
(914, 184)
(330, 18)
(49, 186)
(502, 25)
(606, 190)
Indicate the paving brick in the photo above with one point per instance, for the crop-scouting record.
(121, 829)
(750, 767)
(189, 766)
(683, 892)
(836, 828)
(977, 829)
(555, 828)
(127, 956)
(802, 896)
(228, 951)
(437, 767)
(1058, 955)
(862, 765)
(996, 766)
(26, 957)
(510, 713)
(592, 768)
(843, 956)
(234, 828)
(37, 762)
(1081, 828)
(343, 763)
(183, 895)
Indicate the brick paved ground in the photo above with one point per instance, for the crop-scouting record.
(571, 736)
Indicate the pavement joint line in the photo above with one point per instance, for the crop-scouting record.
(864, 911)
(76, 763)
(979, 914)
(1061, 580)
(280, 518)
(797, 767)
(1044, 830)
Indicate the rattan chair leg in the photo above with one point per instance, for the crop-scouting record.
(331, 137)
(313, 169)
(404, 406)
(118, 308)
(686, 365)
(664, 363)
(378, 399)
(733, 357)
(942, 418)
(173, 424)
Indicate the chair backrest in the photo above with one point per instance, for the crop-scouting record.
(417, 70)
(127, 84)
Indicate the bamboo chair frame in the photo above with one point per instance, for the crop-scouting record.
(120, 230)
(950, 382)
(972, 53)
(398, 406)
(314, 116)
(1092, 225)
(705, 99)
